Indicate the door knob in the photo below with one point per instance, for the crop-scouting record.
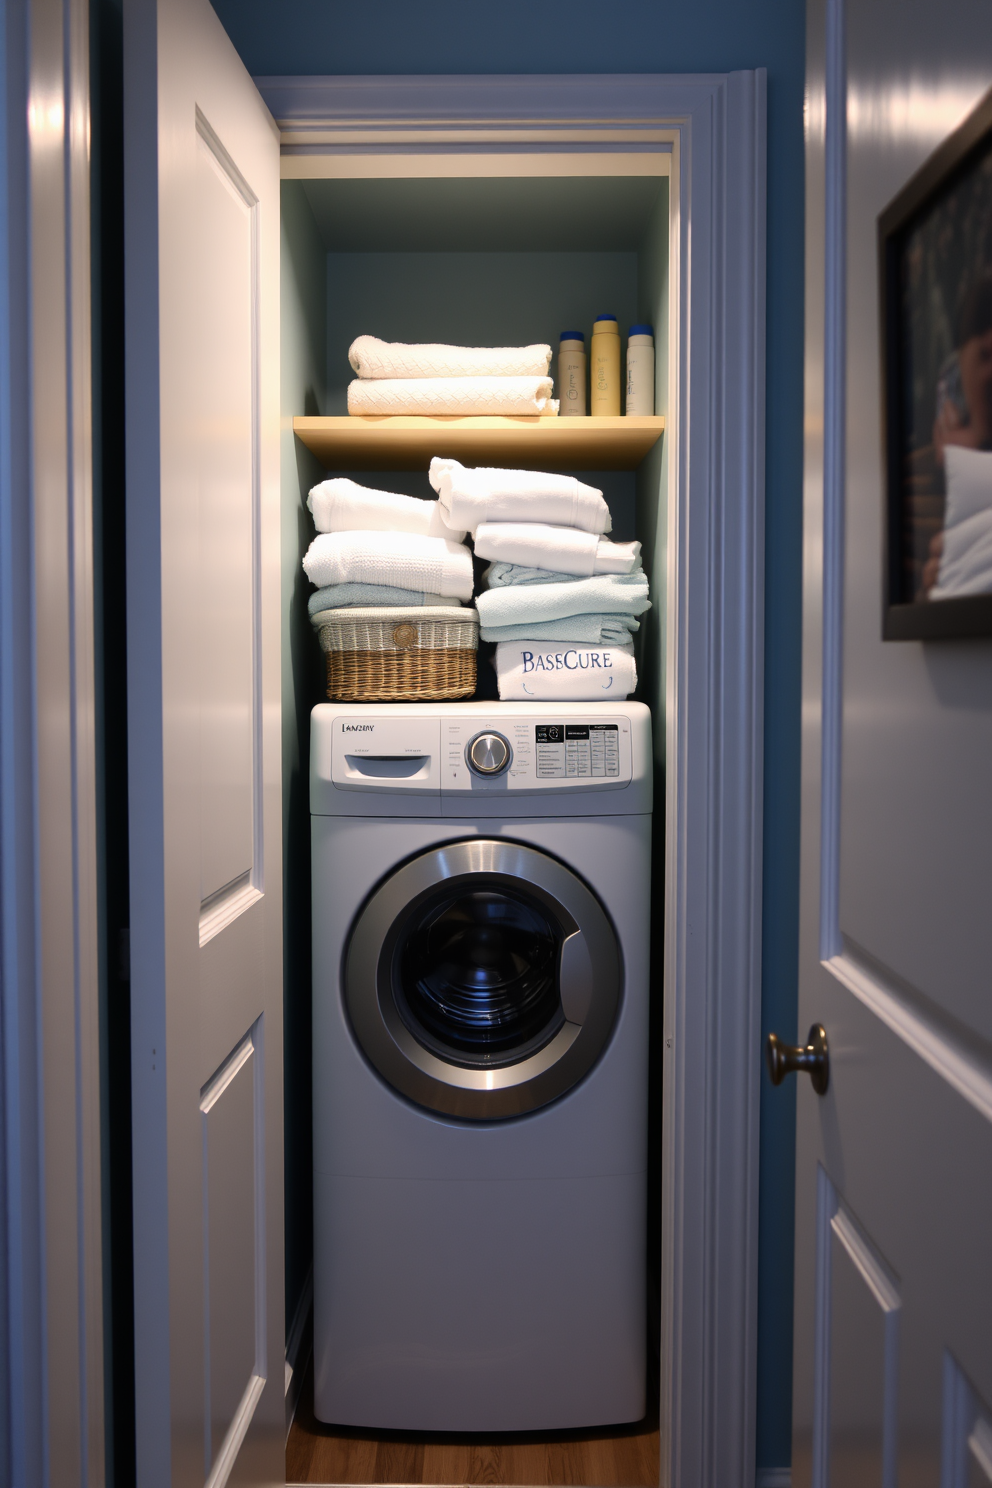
(786, 1059)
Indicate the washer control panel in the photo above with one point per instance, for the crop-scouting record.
(418, 755)
(534, 754)
(486, 758)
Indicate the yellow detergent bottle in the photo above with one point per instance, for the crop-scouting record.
(604, 389)
(572, 374)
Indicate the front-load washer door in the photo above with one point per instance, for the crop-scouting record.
(482, 979)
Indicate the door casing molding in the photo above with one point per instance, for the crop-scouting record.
(713, 126)
(51, 1257)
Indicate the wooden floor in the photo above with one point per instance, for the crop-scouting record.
(620, 1457)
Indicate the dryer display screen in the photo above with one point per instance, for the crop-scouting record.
(577, 750)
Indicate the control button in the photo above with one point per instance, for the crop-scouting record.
(488, 754)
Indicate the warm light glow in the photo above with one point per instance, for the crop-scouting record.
(911, 112)
(48, 117)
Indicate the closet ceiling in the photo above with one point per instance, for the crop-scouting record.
(471, 214)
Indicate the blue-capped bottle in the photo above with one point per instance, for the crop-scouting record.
(640, 370)
(572, 374)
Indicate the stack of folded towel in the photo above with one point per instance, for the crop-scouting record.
(561, 600)
(428, 379)
(375, 548)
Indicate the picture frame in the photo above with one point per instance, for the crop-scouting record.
(935, 304)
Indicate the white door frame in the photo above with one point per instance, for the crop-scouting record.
(51, 1261)
(715, 128)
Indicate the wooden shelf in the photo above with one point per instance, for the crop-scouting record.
(362, 442)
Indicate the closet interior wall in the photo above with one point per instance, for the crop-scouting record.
(482, 261)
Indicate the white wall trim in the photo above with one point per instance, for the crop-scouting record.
(715, 129)
(51, 1284)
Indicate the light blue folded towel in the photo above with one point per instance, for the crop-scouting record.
(583, 630)
(350, 596)
(539, 601)
(498, 575)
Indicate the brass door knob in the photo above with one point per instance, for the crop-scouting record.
(786, 1059)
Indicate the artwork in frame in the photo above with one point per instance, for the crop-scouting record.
(935, 266)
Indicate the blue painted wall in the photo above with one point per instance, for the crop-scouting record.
(442, 36)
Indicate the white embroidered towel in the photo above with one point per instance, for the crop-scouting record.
(451, 396)
(405, 560)
(342, 505)
(550, 669)
(966, 560)
(566, 550)
(371, 358)
(481, 494)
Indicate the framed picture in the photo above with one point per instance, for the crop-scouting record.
(935, 267)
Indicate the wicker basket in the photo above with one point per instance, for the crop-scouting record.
(411, 654)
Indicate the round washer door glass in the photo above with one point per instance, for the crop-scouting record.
(482, 979)
(475, 972)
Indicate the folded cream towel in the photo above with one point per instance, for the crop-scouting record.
(448, 396)
(404, 560)
(545, 670)
(603, 594)
(563, 549)
(966, 561)
(472, 496)
(342, 505)
(373, 358)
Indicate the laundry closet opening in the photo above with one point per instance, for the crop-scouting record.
(475, 260)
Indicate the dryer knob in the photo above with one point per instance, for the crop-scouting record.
(489, 754)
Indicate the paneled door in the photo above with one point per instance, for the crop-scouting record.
(202, 277)
(893, 1285)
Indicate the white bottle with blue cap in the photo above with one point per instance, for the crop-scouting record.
(640, 370)
(572, 374)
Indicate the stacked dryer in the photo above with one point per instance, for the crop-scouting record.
(481, 909)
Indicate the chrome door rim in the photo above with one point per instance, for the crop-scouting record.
(510, 1089)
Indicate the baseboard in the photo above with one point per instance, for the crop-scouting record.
(298, 1347)
(773, 1477)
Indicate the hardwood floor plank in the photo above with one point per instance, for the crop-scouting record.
(463, 1462)
(319, 1454)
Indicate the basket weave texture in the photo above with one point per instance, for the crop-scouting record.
(399, 654)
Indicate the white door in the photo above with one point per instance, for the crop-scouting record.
(893, 1288)
(202, 277)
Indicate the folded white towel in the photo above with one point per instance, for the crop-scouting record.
(342, 505)
(372, 358)
(563, 549)
(482, 494)
(544, 670)
(966, 562)
(450, 396)
(404, 560)
(603, 594)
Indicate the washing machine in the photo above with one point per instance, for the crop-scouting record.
(481, 913)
